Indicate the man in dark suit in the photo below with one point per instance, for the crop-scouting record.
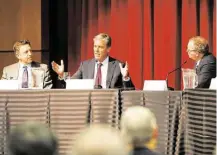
(28, 72)
(198, 50)
(105, 70)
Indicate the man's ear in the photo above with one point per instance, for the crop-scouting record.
(17, 55)
(108, 50)
(197, 54)
(155, 133)
(152, 143)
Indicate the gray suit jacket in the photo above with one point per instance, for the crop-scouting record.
(206, 70)
(11, 73)
(114, 76)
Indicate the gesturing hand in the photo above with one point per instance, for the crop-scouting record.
(124, 70)
(59, 69)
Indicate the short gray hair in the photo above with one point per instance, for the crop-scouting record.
(200, 43)
(137, 125)
(105, 37)
(99, 140)
(32, 138)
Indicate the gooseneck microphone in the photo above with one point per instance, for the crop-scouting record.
(175, 70)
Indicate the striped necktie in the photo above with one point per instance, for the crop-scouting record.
(25, 77)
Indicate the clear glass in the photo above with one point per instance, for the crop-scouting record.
(37, 80)
(189, 77)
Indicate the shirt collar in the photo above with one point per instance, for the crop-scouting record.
(104, 62)
(22, 65)
(198, 62)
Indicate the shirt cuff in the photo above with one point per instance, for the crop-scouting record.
(61, 78)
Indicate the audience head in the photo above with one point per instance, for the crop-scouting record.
(32, 138)
(99, 140)
(138, 126)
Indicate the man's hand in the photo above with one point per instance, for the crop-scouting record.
(59, 69)
(124, 70)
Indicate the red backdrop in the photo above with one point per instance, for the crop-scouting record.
(151, 35)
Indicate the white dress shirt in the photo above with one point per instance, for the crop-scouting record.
(20, 75)
(198, 62)
(104, 70)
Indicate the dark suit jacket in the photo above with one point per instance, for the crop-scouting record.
(143, 151)
(114, 76)
(206, 70)
(11, 73)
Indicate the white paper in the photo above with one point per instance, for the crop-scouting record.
(80, 84)
(9, 84)
(213, 84)
(155, 85)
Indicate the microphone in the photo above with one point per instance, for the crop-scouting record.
(175, 70)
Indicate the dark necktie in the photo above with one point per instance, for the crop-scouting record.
(25, 77)
(98, 75)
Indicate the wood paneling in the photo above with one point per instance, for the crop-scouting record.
(20, 19)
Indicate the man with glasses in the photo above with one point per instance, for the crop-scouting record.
(198, 50)
(23, 69)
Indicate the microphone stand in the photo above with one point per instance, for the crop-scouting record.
(174, 71)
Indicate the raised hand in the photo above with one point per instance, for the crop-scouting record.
(59, 69)
(124, 70)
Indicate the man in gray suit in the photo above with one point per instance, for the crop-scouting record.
(28, 72)
(105, 70)
(198, 50)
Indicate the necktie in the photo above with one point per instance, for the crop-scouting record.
(25, 77)
(98, 75)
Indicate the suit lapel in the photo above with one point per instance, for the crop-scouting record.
(111, 67)
(33, 64)
(91, 68)
(15, 72)
(36, 69)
